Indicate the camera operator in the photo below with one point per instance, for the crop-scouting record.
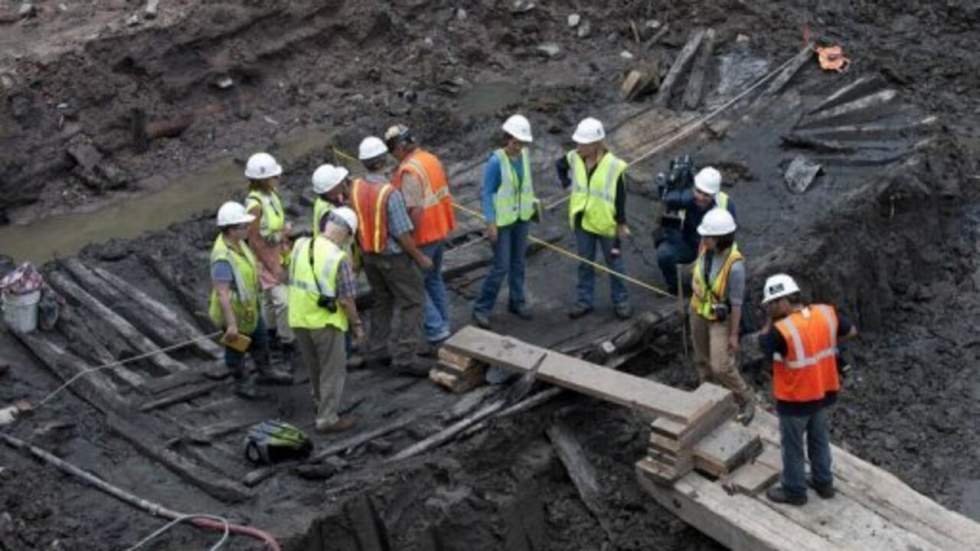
(680, 241)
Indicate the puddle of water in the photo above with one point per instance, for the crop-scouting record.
(487, 98)
(204, 189)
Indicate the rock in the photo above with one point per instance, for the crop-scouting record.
(26, 10)
(653, 24)
(801, 173)
(584, 30)
(549, 49)
(461, 14)
(150, 11)
(574, 19)
(133, 20)
(742, 39)
(626, 54)
(521, 6)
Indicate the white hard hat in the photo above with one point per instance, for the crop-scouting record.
(233, 214)
(778, 286)
(327, 177)
(708, 180)
(371, 147)
(396, 133)
(717, 222)
(519, 127)
(261, 166)
(347, 216)
(589, 131)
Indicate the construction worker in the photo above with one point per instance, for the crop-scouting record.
(718, 283)
(680, 246)
(391, 262)
(509, 205)
(803, 343)
(268, 237)
(331, 189)
(423, 183)
(234, 301)
(322, 311)
(597, 213)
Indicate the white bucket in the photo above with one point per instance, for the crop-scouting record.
(20, 311)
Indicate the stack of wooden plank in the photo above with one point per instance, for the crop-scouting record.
(457, 372)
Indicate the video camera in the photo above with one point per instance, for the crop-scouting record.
(679, 175)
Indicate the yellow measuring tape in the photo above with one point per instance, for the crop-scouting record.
(560, 250)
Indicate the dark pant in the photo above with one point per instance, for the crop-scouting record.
(674, 250)
(396, 284)
(259, 349)
(587, 242)
(508, 260)
(816, 430)
(436, 309)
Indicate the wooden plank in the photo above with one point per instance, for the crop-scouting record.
(454, 360)
(569, 372)
(580, 470)
(738, 522)
(753, 478)
(457, 382)
(159, 385)
(725, 448)
(660, 473)
(679, 66)
(180, 395)
(699, 73)
(777, 84)
(673, 435)
(115, 321)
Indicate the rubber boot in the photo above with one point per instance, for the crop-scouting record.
(267, 375)
(245, 386)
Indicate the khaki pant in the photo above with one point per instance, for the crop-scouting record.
(396, 284)
(276, 313)
(713, 361)
(323, 353)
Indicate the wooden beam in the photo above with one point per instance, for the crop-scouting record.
(725, 448)
(777, 84)
(569, 372)
(679, 66)
(753, 478)
(180, 395)
(579, 469)
(695, 86)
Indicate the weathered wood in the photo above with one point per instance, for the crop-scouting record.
(115, 321)
(695, 85)
(453, 360)
(569, 372)
(860, 87)
(194, 305)
(211, 483)
(457, 382)
(579, 469)
(725, 448)
(660, 473)
(852, 109)
(180, 395)
(207, 434)
(679, 66)
(159, 385)
(777, 84)
(98, 348)
(718, 407)
(753, 478)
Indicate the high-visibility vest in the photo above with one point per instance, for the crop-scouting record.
(706, 295)
(371, 206)
(307, 283)
(809, 370)
(514, 199)
(321, 208)
(438, 218)
(244, 288)
(273, 217)
(721, 201)
(595, 197)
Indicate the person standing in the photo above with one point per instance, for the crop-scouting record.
(718, 283)
(391, 262)
(509, 205)
(322, 311)
(597, 213)
(803, 341)
(234, 301)
(681, 245)
(268, 237)
(331, 189)
(423, 183)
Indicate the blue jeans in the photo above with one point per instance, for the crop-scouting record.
(508, 260)
(259, 349)
(672, 251)
(791, 430)
(586, 243)
(436, 308)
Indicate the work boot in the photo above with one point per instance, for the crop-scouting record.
(624, 311)
(778, 494)
(579, 310)
(267, 375)
(245, 387)
(825, 491)
(412, 370)
(342, 424)
(481, 320)
(522, 312)
(746, 412)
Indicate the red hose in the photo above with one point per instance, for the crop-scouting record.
(260, 535)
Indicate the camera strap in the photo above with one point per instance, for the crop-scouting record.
(313, 269)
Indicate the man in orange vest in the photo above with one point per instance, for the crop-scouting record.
(391, 261)
(423, 183)
(803, 343)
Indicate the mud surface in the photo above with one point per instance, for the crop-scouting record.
(898, 250)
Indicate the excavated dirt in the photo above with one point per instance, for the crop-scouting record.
(899, 252)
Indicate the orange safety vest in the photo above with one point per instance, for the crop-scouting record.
(809, 370)
(438, 218)
(371, 206)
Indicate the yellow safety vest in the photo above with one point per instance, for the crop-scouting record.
(273, 217)
(320, 209)
(595, 196)
(308, 283)
(706, 296)
(514, 199)
(245, 288)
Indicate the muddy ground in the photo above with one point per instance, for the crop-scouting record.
(900, 252)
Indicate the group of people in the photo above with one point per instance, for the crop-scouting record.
(393, 224)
